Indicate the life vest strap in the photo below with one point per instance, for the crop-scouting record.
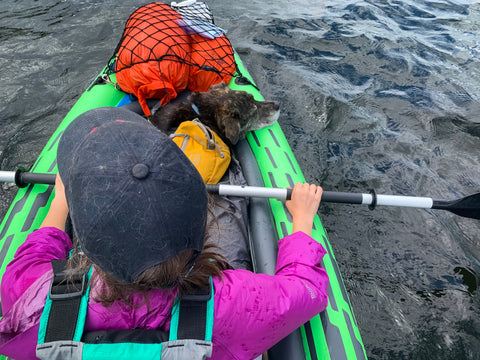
(65, 311)
(66, 294)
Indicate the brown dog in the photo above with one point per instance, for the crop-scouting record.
(230, 113)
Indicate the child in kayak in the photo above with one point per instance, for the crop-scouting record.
(138, 209)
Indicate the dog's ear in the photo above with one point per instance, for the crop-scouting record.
(232, 131)
(227, 120)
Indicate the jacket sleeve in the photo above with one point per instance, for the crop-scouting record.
(255, 311)
(31, 261)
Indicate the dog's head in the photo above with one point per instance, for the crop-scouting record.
(238, 112)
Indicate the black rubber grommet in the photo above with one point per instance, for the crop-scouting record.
(374, 200)
(18, 178)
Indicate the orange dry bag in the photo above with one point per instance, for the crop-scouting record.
(162, 53)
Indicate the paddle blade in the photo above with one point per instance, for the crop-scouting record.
(468, 207)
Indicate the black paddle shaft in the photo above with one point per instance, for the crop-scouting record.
(23, 178)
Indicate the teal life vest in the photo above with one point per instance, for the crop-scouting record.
(61, 334)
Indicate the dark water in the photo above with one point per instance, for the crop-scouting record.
(374, 94)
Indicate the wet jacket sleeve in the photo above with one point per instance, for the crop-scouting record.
(255, 311)
(31, 261)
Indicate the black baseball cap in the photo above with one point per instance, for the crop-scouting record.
(134, 198)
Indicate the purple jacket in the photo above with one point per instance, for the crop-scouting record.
(252, 311)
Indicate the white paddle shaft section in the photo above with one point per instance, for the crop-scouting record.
(252, 191)
(7, 176)
(398, 200)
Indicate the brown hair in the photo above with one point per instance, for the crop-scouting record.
(186, 270)
(183, 270)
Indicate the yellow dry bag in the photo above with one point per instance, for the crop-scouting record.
(205, 149)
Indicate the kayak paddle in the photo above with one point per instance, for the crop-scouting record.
(468, 206)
